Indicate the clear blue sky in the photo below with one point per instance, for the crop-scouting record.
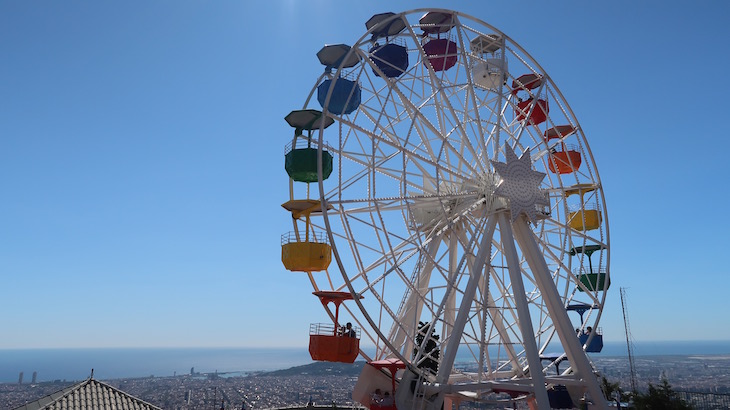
(141, 161)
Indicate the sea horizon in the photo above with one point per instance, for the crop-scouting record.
(71, 364)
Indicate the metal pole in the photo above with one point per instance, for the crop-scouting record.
(535, 259)
(523, 311)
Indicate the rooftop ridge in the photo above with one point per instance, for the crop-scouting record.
(89, 394)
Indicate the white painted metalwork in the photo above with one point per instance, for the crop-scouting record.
(413, 216)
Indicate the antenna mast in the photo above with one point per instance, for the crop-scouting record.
(629, 345)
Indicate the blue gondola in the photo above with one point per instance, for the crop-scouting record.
(345, 95)
(391, 59)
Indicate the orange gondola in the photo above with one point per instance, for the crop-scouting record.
(328, 341)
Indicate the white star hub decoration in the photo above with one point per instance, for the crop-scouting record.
(520, 184)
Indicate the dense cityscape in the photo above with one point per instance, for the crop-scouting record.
(328, 383)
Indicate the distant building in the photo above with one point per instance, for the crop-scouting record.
(35, 377)
(89, 394)
(20, 378)
(192, 371)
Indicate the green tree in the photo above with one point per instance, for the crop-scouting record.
(612, 391)
(609, 388)
(661, 397)
(431, 352)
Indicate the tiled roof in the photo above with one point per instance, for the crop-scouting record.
(90, 394)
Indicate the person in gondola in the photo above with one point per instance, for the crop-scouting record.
(387, 400)
(376, 398)
(349, 331)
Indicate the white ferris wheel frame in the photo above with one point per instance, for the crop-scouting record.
(398, 340)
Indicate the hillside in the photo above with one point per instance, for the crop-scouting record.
(320, 369)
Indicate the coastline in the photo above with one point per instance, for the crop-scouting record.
(116, 363)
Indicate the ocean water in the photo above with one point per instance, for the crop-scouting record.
(663, 348)
(76, 364)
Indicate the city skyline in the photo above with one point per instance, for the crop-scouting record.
(143, 168)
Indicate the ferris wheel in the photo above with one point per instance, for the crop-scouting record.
(442, 170)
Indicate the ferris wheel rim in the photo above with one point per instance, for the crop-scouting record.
(323, 191)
